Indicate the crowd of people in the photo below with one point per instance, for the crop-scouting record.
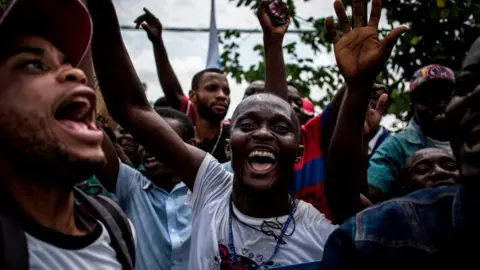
(178, 186)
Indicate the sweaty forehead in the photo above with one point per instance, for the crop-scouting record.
(264, 105)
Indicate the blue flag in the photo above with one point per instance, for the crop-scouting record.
(213, 58)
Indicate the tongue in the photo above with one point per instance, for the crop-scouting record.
(261, 167)
(79, 126)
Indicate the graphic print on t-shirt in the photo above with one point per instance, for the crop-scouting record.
(244, 259)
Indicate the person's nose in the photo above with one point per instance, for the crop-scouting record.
(263, 134)
(72, 75)
(221, 95)
(440, 174)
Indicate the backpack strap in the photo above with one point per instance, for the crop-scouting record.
(14, 249)
(122, 221)
(119, 243)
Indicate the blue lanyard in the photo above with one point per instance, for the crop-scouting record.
(279, 240)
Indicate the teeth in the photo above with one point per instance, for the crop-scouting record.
(81, 99)
(151, 159)
(261, 154)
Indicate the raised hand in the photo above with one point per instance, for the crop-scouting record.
(150, 24)
(374, 116)
(269, 28)
(359, 53)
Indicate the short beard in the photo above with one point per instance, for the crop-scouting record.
(35, 154)
(208, 114)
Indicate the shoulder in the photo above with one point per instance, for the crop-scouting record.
(127, 174)
(310, 216)
(392, 141)
(211, 165)
(419, 221)
(394, 145)
(314, 223)
(228, 166)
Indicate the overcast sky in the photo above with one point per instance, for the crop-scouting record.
(188, 51)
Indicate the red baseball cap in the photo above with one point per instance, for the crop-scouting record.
(65, 23)
(308, 107)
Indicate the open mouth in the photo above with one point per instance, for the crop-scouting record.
(262, 161)
(129, 146)
(440, 116)
(150, 161)
(77, 116)
(446, 183)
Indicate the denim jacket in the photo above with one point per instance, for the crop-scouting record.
(427, 229)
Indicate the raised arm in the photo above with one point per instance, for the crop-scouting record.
(275, 75)
(126, 100)
(329, 120)
(360, 57)
(168, 80)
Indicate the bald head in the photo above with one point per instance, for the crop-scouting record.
(430, 167)
(255, 87)
(425, 154)
(265, 101)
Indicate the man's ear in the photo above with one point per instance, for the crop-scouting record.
(300, 150)
(192, 142)
(192, 96)
(228, 152)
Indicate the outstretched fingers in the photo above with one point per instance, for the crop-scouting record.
(330, 31)
(358, 13)
(391, 39)
(376, 13)
(342, 16)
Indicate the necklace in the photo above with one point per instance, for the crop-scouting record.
(218, 139)
(267, 228)
(279, 240)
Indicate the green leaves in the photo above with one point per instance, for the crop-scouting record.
(440, 31)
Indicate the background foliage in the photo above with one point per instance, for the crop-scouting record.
(440, 32)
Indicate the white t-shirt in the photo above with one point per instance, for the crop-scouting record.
(73, 252)
(305, 238)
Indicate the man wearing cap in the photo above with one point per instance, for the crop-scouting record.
(49, 143)
(431, 89)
